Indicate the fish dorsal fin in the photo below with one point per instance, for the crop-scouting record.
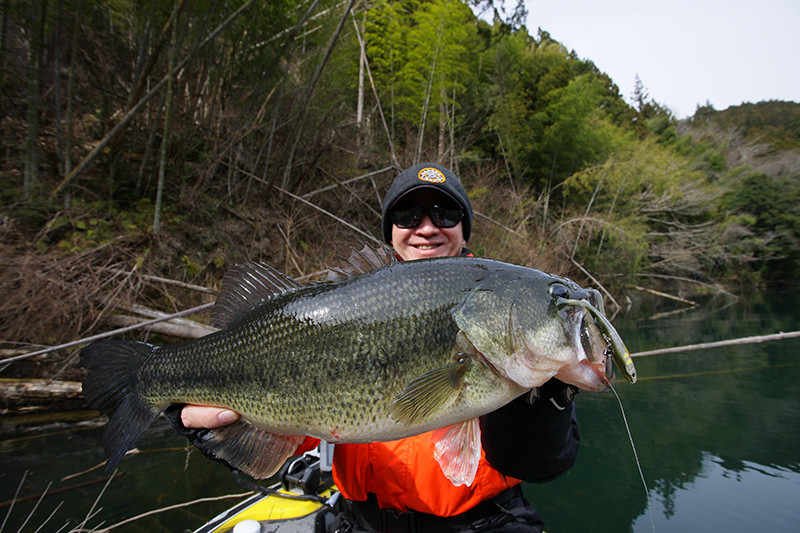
(255, 451)
(367, 258)
(457, 449)
(430, 393)
(246, 285)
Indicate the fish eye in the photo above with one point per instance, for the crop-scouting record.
(558, 290)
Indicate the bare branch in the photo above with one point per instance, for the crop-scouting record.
(720, 344)
(108, 333)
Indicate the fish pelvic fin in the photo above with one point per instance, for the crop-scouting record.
(457, 449)
(111, 387)
(255, 451)
(430, 393)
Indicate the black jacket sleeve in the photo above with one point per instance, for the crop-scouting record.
(536, 440)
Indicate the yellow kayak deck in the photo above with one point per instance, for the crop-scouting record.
(282, 510)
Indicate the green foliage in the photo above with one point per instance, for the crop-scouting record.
(646, 208)
(622, 189)
(570, 131)
(769, 207)
(191, 268)
(549, 109)
(420, 55)
(89, 225)
(774, 122)
(617, 248)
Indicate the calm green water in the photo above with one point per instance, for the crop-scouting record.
(717, 434)
(717, 431)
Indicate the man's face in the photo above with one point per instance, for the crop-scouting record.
(427, 239)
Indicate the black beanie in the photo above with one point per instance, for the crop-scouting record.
(431, 176)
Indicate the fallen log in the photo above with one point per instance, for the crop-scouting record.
(28, 396)
(16, 389)
(185, 329)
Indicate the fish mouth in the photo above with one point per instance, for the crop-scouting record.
(599, 342)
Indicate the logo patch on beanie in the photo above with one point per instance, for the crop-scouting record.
(431, 175)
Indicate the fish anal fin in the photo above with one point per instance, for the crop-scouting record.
(255, 451)
(457, 449)
(430, 393)
(246, 285)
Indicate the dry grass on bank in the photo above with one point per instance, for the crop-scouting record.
(52, 296)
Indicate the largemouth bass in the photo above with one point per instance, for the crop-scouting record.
(389, 353)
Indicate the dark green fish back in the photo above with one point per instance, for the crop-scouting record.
(321, 347)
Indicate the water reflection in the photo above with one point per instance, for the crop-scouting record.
(700, 420)
(720, 499)
(716, 433)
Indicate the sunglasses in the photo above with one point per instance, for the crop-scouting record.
(411, 216)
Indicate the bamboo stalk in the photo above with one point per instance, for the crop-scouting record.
(687, 280)
(493, 221)
(424, 116)
(298, 126)
(318, 208)
(389, 139)
(162, 158)
(289, 249)
(346, 182)
(321, 210)
(135, 109)
(608, 294)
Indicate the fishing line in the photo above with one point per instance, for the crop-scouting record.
(636, 458)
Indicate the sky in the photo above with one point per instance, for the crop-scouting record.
(686, 52)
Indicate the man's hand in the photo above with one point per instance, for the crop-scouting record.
(201, 416)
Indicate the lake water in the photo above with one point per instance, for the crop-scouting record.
(717, 433)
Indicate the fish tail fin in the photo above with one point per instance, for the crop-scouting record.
(111, 387)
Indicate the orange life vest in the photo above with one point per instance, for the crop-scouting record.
(403, 475)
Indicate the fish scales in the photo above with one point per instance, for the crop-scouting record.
(393, 352)
(320, 355)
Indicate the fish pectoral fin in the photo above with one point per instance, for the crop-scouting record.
(430, 393)
(255, 451)
(457, 449)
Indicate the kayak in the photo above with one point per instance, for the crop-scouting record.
(279, 511)
(289, 506)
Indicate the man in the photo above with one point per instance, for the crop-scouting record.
(398, 485)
